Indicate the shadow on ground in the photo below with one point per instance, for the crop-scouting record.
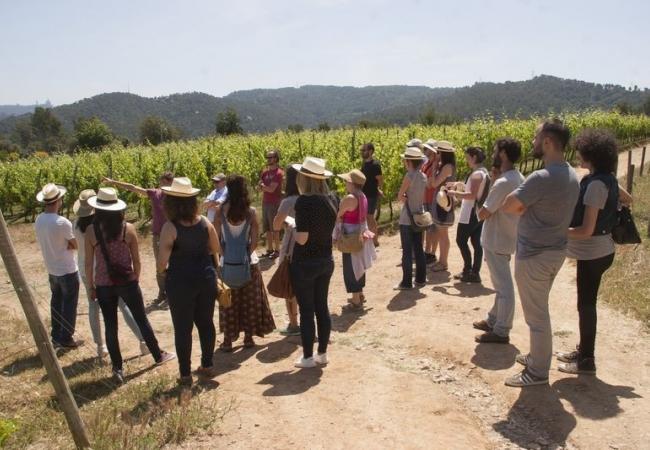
(291, 382)
(494, 356)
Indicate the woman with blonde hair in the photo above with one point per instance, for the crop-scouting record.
(312, 264)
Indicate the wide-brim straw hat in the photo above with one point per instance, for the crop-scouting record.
(413, 153)
(313, 167)
(431, 146)
(444, 200)
(106, 200)
(354, 176)
(445, 146)
(81, 207)
(181, 187)
(50, 193)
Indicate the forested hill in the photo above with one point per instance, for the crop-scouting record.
(269, 109)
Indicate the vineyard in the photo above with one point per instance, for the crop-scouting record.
(199, 159)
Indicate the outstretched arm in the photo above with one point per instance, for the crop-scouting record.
(126, 186)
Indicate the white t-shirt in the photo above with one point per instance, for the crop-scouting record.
(466, 205)
(53, 233)
(499, 233)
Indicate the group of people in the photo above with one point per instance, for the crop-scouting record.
(539, 219)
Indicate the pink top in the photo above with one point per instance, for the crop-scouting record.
(119, 255)
(358, 215)
(158, 218)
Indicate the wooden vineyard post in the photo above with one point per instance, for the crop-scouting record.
(630, 178)
(42, 339)
(642, 162)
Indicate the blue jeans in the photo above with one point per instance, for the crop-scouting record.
(108, 298)
(63, 306)
(310, 280)
(412, 243)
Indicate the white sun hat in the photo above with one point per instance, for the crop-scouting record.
(50, 193)
(444, 200)
(181, 187)
(413, 153)
(313, 167)
(106, 199)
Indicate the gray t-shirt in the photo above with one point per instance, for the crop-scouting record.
(549, 195)
(415, 195)
(499, 233)
(594, 246)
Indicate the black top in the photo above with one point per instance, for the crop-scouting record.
(190, 255)
(315, 214)
(608, 216)
(371, 169)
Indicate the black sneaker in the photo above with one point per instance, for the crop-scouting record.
(471, 277)
(118, 376)
(430, 258)
(584, 366)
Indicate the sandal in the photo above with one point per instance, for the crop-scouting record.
(226, 348)
(439, 267)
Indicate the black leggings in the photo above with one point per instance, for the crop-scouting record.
(310, 279)
(191, 302)
(589, 274)
(108, 297)
(470, 231)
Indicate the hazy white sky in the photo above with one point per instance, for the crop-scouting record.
(67, 50)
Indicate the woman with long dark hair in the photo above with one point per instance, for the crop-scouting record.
(188, 246)
(443, 218)
(590, 238)
(238, 230)
(469, 226)
(113, 266)
(287, 209)
(85, 217)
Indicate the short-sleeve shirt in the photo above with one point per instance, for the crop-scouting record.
(288, 207)
(499, 233)
(371, 169)
(415, 196)
(549, 195)
(217, 195)
(158, 218)
(315, 214)
(594, 246)
(53, 233)
(269, 177)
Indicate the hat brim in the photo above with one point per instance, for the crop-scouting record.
(405, 156)
(40, 199)
(217, 179)
(82, 211)
(448, 150)
(192, 193)
(430, 148)
(119, 205)
(324, 176)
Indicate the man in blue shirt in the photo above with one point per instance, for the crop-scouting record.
(217, 197)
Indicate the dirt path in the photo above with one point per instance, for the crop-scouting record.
(406, 373)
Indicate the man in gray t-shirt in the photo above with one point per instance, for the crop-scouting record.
(545, 201)
(498, 239)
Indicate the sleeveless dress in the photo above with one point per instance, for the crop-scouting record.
(250, 311)
(440, 217)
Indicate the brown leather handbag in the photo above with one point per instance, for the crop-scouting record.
(280, 283)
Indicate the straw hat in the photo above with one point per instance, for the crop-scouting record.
(415, 142)
(219, 177)
(412, 153)
(313, 167)
(81, 207)
(445, 146)
(50, 193)
(430, 145)
(181, 187)
(354, 176)
(106, 199)
(444, 200)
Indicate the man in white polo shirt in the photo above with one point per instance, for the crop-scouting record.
(58, 245)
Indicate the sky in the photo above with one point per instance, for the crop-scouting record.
(67, 50)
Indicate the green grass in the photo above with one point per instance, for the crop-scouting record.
(626, 285)
(148, 412)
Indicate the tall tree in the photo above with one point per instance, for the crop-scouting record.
(228, 123)
(91, 133)
(156, 130)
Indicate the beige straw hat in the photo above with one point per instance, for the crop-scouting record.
(50, 193)
(81, 207)
(106, 199)
(313, 167)
(354, 176)
(181, 187)
(413, 153)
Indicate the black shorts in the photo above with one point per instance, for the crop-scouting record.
(372, 204)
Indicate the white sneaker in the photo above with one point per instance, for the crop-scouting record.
(321, 358)
(305, 363)
(102, 352)
(144, 350)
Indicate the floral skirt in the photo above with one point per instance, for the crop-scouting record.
(250, 311)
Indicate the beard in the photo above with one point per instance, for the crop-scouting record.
(538, 152)
(497, 161)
